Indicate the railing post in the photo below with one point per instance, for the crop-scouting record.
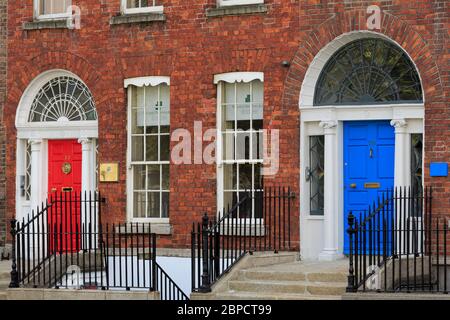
(14, 274)
(351, 287)
(154, 271)
(217, 252)
(206, 284)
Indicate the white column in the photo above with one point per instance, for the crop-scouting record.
(401, 152)
(86, 172)
(402, 169)
(36, 173)
(36, 192)
(86, 167)
(330, 250)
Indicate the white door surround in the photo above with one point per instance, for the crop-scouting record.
(37, 135)
(322, 237)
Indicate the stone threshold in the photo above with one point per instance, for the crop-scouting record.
(236, 10)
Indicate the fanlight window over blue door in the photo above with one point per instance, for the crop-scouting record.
(368, 71)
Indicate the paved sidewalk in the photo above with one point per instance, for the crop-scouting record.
(5, 269)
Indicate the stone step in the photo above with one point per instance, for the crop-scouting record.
(243, 295)
(291, 287)
(5, 276)
(3, 296)
(291, 276)
(268, 259)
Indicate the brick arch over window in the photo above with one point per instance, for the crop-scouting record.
(392, 27)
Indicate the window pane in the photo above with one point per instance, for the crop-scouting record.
(165, 205)
(54, 6)
(416, 162)
(245, 176)
(229, 94)
(152, 105)
(137, 146)
(153, 175)
(165, 147)
(137, 120)
(242, 145)
(228, 146)
(139, 177)
(228, 117)
(153, 205)
(230, 177)
(165, 177)
(243, 116)
(139, 205)
(257, 168)
(316, 174)
(243, 93)
(151, 153)
(258, 147)
(229, 199)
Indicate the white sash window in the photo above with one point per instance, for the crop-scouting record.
(142, 6)
(52, 9)
(149, 149)
(240, 126)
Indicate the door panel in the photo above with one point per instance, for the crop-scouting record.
(369, 148)
(64, 181)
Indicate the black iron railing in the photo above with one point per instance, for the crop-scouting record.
(65, 224)
(65, 245)
(260, 221)
(398, 246)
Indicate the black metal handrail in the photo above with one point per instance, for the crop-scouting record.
(167, 287)
(259, 221)
(398, 246)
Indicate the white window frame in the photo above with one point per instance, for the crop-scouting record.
(53, 16)
(225, 3)
(149, 9)
(130, 84)
(220, 80)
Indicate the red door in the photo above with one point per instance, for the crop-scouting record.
(64, 186)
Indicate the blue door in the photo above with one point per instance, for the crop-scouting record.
(369, 148)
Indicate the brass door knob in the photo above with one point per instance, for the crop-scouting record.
(353, 185)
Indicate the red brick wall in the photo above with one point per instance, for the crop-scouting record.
(3, 38)
(191, 49)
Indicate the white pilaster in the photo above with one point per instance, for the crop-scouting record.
(330, 250)
(401, 152)
(36, 173)
(86, 166)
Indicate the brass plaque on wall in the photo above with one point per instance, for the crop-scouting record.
(372, 185)
(109, 172)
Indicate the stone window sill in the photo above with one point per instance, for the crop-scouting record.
(137, 18)
(236, 10)
(45, 24)
(163, 229)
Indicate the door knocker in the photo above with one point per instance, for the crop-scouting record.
(66, 168)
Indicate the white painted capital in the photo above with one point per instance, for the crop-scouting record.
(399, 125)
(35, 144)
(328, 126)
(85, 143)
